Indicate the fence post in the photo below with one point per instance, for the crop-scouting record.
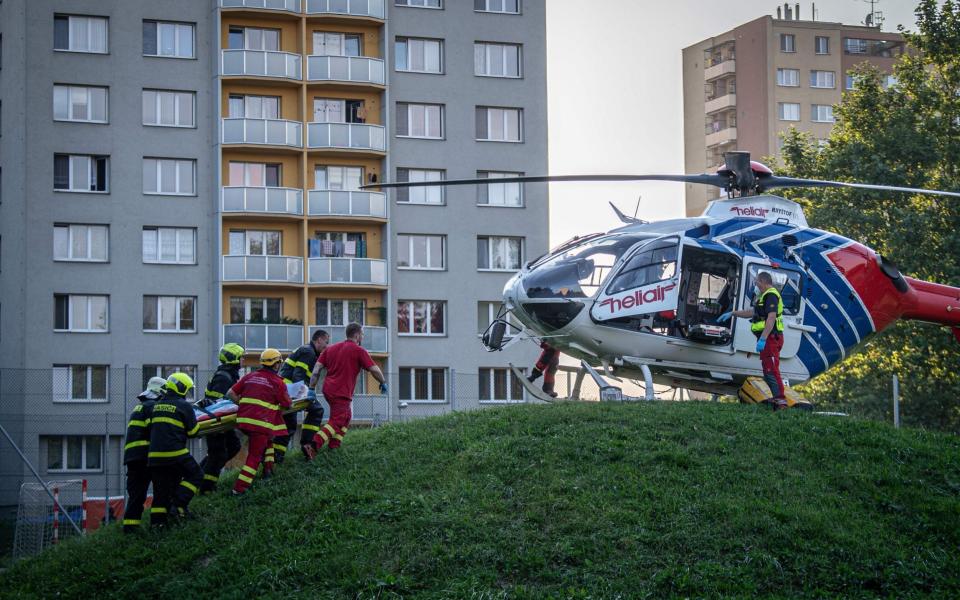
(123, 440)
(453, 390)
(106, 466)
(56, 515)
(896, 402)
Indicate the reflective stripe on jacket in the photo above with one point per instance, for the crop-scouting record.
(172, 421)
(263, 396)
(138, 432)
(759, 322)
(299, 365)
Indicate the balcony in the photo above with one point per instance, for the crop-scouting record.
(374, 338)
(277, 201)
(335, 203)
(261, 63)
(290, 6)
(259, 337)
(721, 103)
(259, 268)
(720, 69)
(372, 9)
(723, 136)
(270, 132)
(347, 136)
(346, 69)
(348, 271)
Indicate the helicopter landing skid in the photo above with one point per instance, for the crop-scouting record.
(534, 392)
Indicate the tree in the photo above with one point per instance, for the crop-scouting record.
(905, 134)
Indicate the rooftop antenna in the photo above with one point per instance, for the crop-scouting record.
(874, 18)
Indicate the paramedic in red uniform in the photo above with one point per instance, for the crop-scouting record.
(343, 361)
(547, 366)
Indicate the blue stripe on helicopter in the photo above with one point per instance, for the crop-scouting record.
(838, 285)
(828, 345)
(810, 358)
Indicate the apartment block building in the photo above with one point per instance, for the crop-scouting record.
(743, 88)
(177, 175)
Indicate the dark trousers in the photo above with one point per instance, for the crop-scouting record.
(311, 423)
(174, 485)
(221, 447)
(138, 481)
(282, 442)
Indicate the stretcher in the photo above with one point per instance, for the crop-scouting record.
(222, 415)
(756, 391)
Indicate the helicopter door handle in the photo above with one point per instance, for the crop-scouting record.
(801, 327)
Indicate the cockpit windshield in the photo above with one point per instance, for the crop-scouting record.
(578, 271)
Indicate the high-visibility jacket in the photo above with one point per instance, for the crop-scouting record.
(299, 365)
(263, 396)
(138, 432)
(759, 320)
(220, 383)
(172, 421)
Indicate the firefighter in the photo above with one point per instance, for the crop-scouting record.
(261, 396)
(176, 475)
(547, 365)
(766, 322)
(135, 453)
(298, 367)
(343, 361)
(221, 447)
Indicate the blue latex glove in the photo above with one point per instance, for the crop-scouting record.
(761, 344)
(724, 317)
(383, 388)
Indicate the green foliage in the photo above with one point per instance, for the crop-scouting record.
(575, 500)
(908, 135)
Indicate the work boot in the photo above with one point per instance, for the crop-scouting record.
(548, 390)
(534, 375)
(309, 451)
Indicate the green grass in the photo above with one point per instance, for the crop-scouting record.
(572, 500)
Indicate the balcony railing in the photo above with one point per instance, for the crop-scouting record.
(275, 269)
(274, 132)
(292, 6)
(374, 338)
(349, 271)
(260, 337)
(353, 69)
(723, 68)
(335, 203)
(720, 103)
(352, 8)
(269, 200)
(722, 136)
(261, 63)
(354, 136)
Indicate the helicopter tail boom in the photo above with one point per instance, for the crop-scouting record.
(933, 303)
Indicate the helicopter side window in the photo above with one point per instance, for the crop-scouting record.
(789, 283)
(578, 271)
(652, 264)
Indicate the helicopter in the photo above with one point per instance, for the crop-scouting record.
(642, 301)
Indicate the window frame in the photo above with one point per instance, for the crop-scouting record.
(814, 79)
(403, 195)
(493, 309)
(781, 115)
(485, 45)
(405, 41)
(176, 107)
(177, 161)
(179, 311)
(345, 170)
(406, 4)
(177, 24)
(89, 313)
(411, 373)
(487, 112)
(751, 276)
(248, 302)
(791, 47)
(490, 255)
(177, 233)
(70, 236)
(345, 302)
(814, 113)
(68, 17)
(816, 45)
(92, 166)
(783, 81)
(430, 237)
(491, 382)
(148, 371)
(488, 10)
(246, 241)
(425, 106)
(411, 311)
(484, 189)
(69, 398)
(70, 119)
(64, 453)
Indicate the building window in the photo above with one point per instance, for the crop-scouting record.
(499, 124)
(499, 253)
(253, 38)
(499, 194)
(169, 176)
(249, 106)
(500, 385)
(788, 42)
(849, 82)
(420, 252)
(821, 44)
(169, 314)
(497, 6)
(170, 245)
(788, 77)
(336, 312)
(169, 40)
(80, 383)
(788, 111)
(335, 110)
(336, 44)
(823, 79)
(821, 113)
(248, 174)
(338, 244)
(418, 55)
(497, 60)
(165, 371)
(80, 172)
(80, 103)
(329, 177)
(854, 46)
(421, 195)
(420, 3)
(169, 109)
(256, 310)
(83, 243)
(421, 317)
(80, 314)
(487, 312)
(255, 243)
(80, 34)
(74, 453)
(888, 81)
(420, 120)
(423, 384)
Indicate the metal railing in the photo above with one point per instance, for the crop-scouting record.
(261, 63)
(271, 200)
(374, 337)
(356, 271)
(292, 6)
(337, 203)
(273, 132)
(353, 8)
(260, 336)
(356, 136)
(354, 69)
(278, 269)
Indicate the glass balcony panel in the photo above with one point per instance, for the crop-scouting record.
(357, 8)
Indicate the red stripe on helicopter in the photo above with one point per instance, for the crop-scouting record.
(858, 265)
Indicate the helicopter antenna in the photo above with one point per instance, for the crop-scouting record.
(637, 209)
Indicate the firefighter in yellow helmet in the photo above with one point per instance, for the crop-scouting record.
(221, 447)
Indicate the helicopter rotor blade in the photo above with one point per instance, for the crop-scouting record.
(786, 182)
(704, 178)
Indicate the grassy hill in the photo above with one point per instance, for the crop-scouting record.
(575, 500)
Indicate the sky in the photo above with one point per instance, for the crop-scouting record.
(615, 102)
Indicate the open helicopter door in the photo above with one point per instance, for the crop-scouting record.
(646, 285)
(789, 282)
